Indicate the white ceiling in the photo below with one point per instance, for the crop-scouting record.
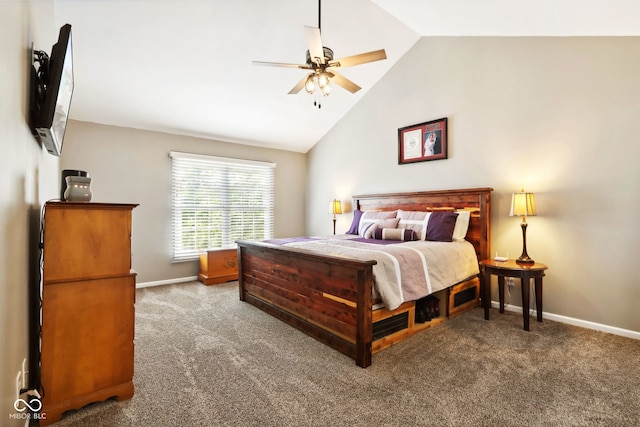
(185, 66)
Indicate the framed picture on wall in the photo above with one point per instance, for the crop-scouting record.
(423, 142)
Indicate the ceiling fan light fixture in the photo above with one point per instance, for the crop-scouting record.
(320, 61)
(326, 90)
(323, 80)
(310, 84)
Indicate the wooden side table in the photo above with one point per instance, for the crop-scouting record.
(511, 268)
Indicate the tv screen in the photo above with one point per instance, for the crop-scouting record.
(53, 112)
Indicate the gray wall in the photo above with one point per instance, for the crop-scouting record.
(27, 179)
(555, 116)
(133, 166)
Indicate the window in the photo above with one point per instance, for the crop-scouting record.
(216, 201)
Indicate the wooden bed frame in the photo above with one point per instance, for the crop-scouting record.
(330, 298)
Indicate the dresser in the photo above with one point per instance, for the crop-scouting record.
(88, 296)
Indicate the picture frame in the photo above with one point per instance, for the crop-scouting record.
(423, 142)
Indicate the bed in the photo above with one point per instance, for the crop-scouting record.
(332, 296)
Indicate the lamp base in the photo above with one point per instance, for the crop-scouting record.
(524, 258)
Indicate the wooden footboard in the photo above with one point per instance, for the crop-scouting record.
(305, 290)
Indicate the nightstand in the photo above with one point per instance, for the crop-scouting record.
(511, 268)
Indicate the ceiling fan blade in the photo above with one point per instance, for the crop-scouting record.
(298, 86)
(363, 58)
(344, 82)
(314, 42)
(282, 64)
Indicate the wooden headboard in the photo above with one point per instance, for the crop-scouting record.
(476, 200)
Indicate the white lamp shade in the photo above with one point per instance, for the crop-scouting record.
(522, 204)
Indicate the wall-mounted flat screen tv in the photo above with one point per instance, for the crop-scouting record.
(53, 91)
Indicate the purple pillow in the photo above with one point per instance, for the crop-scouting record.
(440, 226)
(357, 214)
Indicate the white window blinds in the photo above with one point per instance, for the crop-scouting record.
(216, 201)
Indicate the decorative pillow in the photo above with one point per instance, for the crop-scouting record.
(379, 223)
(357, 214)
(369, 218)
(414, 220)
(394, 234)
(462, 225)
(441, 225)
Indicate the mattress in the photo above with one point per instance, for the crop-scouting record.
(404, 271)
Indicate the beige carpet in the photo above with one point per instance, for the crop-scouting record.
(203, 358)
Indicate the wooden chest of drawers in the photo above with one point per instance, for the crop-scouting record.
(218, 266)
(88, 315)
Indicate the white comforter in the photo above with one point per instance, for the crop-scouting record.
(404, 271)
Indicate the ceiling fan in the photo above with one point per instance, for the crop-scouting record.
(323, 67)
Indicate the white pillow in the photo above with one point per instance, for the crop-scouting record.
(371, 217)
(462, 225)
(414, 220)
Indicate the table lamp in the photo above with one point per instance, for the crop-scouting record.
(523, 204)
(336, 208)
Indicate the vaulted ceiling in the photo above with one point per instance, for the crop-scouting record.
(185, 66)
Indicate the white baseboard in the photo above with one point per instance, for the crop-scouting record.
(166, 282)
(576, 322)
